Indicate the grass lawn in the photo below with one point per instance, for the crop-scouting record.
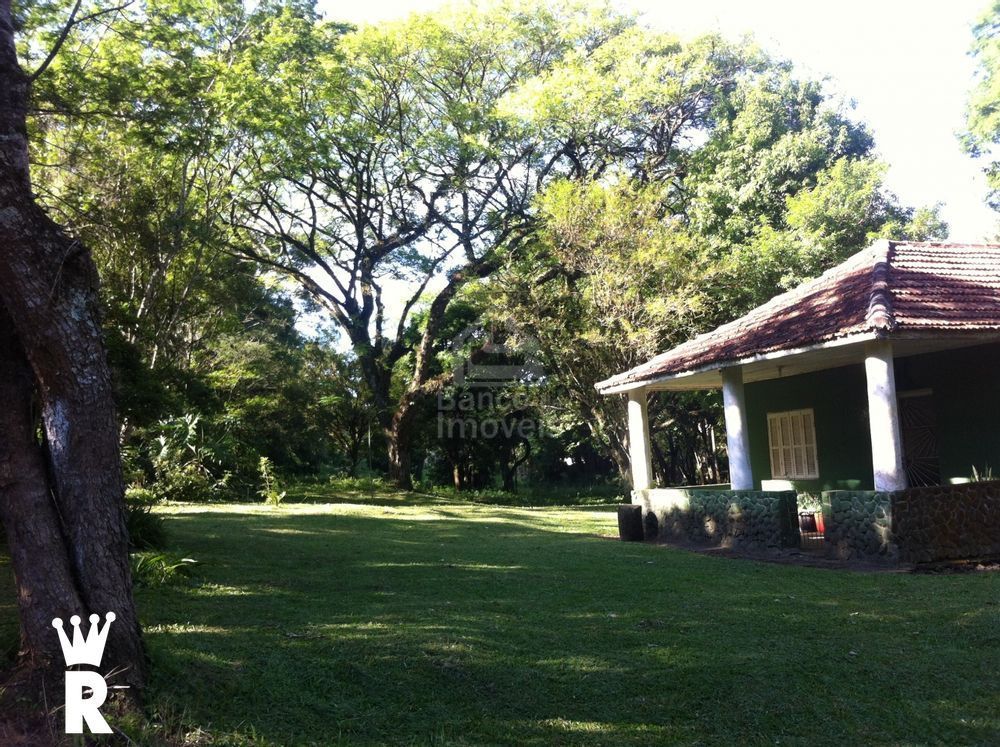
(407, 620)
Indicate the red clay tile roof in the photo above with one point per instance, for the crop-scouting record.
(888, 289)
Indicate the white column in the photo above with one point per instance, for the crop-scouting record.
(883, 417)
(638, 440)
(737, 436)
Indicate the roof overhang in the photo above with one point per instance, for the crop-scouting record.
(778, 364)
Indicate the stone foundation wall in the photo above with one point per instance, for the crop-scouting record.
(859, 525)
(951, 522)
(743, 518)
(918, 525)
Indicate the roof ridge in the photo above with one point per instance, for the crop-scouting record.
(786, 298)
(879, 316)
(933, 287)
(947, 244)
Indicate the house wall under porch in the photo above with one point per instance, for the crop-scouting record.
(838, 399)
(963, 389)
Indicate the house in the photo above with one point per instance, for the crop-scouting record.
(862, 387)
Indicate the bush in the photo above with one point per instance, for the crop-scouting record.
(146, 530)
(186, 483)
(185, 466)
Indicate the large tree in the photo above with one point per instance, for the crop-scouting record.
(61, 494)
(398, 178)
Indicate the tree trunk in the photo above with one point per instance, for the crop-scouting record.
(606, 423)
(354, 444)
(618, 451)
(398, 437)
(399, 461)
(41, 565)
(48, 286)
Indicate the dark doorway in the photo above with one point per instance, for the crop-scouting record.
(917, 425)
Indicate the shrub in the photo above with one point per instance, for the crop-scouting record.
(185, 466)
(183, 482)
(146, 530)
(538, 495)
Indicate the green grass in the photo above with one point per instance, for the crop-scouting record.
(369, 489)
(417, 621)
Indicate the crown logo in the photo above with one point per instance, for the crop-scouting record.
(82, 650)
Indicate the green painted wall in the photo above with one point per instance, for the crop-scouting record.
(966, 403)
(839, 399)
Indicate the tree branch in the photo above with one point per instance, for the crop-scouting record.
(72, 22)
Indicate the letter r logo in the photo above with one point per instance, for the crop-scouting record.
(80, 709)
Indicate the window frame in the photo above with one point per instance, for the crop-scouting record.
(789, 424)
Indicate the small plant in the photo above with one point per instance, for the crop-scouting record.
(269, 487)
(985, 476)
(159, 569)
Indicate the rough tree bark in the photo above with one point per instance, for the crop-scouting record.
(399, 443)
(45, 588)
(68, 524)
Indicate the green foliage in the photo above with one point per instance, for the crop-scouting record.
(233, 165)
(152, 569)
(638, 270)
(414, 163)
(184, 463)
(541, 495)
(750, 181)
(370, 484)
(143, 129)
(983, 113)
(845, 210)
(145, 529)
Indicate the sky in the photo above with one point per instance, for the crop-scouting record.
(905, 64)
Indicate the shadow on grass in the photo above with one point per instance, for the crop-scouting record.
(322, 493)
(361, 491)
(494, 626)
